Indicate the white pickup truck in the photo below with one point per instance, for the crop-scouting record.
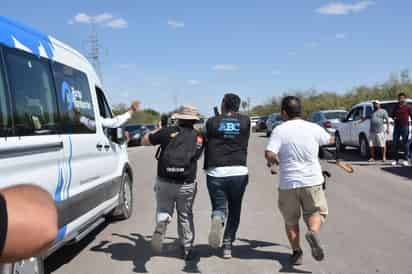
(354, 129)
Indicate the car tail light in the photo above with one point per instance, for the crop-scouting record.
(327, 124)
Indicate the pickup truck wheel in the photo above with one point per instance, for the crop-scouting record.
(125, 209)
(33, 265)
(339, 146)
(364, 147)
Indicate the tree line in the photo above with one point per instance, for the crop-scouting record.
(145, 116)
(314, 100)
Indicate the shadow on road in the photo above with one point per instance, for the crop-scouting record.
(405, 172)
(137, 249)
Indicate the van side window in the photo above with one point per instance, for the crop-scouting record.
(73, 96)
(33, 94)
(104, 108)
(4, 113)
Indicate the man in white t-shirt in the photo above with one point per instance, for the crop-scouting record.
(294, 146)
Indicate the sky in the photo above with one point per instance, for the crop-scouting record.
(168, 53)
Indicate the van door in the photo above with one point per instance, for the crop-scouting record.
(112, 151)
(345, 128)
(356, 125)
(31, 151)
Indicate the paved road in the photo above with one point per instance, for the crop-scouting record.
(369, 229)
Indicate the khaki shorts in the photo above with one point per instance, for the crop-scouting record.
(377, 139)
(309, 200)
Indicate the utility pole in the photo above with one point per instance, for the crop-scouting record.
(93, 50)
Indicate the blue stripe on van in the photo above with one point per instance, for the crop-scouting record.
(70, 167)
(60, 183)
(61, 233)
(30, 38)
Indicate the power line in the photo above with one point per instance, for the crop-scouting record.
(93, 48)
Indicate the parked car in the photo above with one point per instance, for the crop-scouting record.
(261, 124)
(43, 141)
(150, 127)
(354, 129)
(254, 120)
(328, 119)
(135, 134)
(273, 121)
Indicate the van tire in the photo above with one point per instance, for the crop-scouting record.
(125, 208)
(364, 147)
(34, 265)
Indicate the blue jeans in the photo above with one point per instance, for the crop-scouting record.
(226, 195)
(399, 132)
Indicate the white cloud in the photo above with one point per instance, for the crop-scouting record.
(193, 82)
(82, 18)
(103, 19)
(340, 36)
(340, 8)
(225, 67)
(176, 24)
(275, 72)
(119, 23)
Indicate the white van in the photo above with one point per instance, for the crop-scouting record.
(42, 141)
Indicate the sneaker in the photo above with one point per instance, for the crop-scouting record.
(158, 236)
(404, 163)
(371, 160)
(189, 254)
(227, 252)
(394, 163)
(296, 257)
(314, 242)
(215, 235)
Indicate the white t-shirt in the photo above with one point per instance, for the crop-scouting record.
(228, 171)
(297, 142)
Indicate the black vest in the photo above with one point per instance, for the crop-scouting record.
(227, 139)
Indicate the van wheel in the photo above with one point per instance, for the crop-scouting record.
(29, 266)
(125, 209)
(339, 146)
(364, 147)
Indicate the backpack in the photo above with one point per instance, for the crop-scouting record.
(176, 158)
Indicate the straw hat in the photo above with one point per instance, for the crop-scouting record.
(187, 113)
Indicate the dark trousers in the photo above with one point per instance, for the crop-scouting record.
(399, 132)
(226, 195)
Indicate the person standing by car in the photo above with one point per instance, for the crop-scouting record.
(227, 139)
(377, 130)
(180, 148)
(294, 146)
(401, 115)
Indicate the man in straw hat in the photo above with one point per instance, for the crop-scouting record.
(180, 148)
